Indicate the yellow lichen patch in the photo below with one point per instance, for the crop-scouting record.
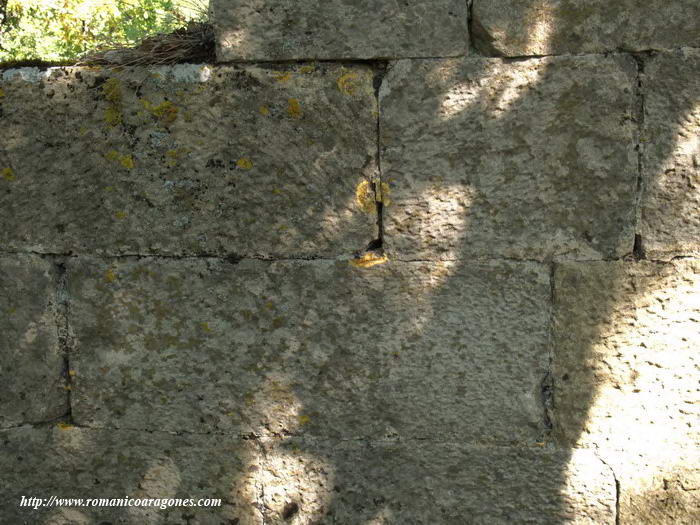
(172, 156)
(347, 83)
(244, 163)
(205, 326)
(368, 260)
(264, 110)
(72, 373)
(126, 161)
(294, 108)
(112, 92)
(166, 112)
(364, 197)
(110, 276)
(384, 197)
(121, 215)
(282, 76)
(304, 420)
(2, 94)
(8, 174)
(309, 68)
(64, 426)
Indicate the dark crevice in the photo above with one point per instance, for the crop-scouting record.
(547, 385)
(470, 30)
(639, 118)
(480, 41)
(379, 183)
(64, 335)
(638, 251)
(617, 489)
(290, 510)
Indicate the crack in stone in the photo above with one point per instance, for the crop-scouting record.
(617, 486)
(547, 385)
(64, 334)
(639, 117)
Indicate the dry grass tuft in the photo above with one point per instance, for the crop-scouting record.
(194, 43)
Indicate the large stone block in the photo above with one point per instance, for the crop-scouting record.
(626, 379)
(188, 159)
(493, 158)
(670, 222)
(32, 386)
(337, 29)
(319, 348)
(67, 462)
(557, 27)
(420, 482)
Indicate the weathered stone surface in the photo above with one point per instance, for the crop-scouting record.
(31, 362)
(670, 222)
(70, 462)
(319, 348)
(556, 27)
(337, 29)
(187, 159)
(426, 482)
(626, 379)
(531, 159)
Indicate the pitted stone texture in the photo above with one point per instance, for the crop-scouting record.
(420, 482)
(531, 159)
(319, 348)
(187, 160)
(70, 462)
(626, 379)
(336, 29)
(32, 386)
(670, 223)
(559, 27)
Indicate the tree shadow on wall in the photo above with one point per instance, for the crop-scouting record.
(421, 467)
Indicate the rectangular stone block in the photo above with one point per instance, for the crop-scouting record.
(67, 462)
(557, 27)
(188, 159)
(32, 382)
(626, 379)
(336, 29)
(530, 159)
(317, 348)
(670, 222)
(426, 482)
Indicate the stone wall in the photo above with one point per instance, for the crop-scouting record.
(418, 262)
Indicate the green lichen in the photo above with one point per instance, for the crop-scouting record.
(166, 112)
(8, 174)
(112, 92)
(126, 161)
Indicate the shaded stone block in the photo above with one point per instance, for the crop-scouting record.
(67, 462)
(188, 159)
(428, 482)
(626, 379)
(670, 222)
(493, 158)
(557, 27)
(336, 29)
(32, 386)
(317, 348)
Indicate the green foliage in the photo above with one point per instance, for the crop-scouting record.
(59, 30)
